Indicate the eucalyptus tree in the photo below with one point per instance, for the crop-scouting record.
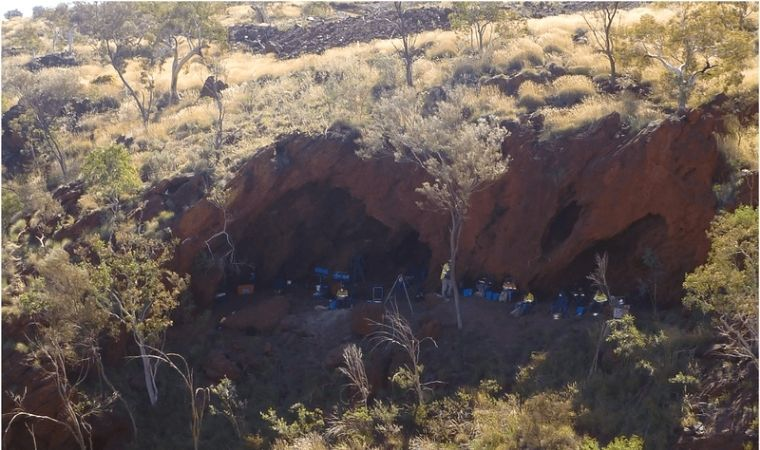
(461, 157)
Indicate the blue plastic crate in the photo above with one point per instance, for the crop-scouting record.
(341, 276)
(467, 292)
(321, 271)
(492, 296)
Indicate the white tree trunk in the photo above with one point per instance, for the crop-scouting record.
(456, 227)
(150, 377)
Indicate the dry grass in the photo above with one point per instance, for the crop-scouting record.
(747, 88)
(661, 13)
(285, 10)
(278, 12)
(15, 61)
(569, 23)
(519, 54)
(242, 67)
(487, 100)
(236, 14)
(570, 89)
(317, 9)
(552, 24)
(584, 60)
(741, 148)
(557, 42)
(442, 44)
(532, 95)
(429, 73)
(311, 441)
(268, 97)
(739, 145)
(634, 113)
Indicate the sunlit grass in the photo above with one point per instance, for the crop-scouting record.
(635, 113)
(532, 95)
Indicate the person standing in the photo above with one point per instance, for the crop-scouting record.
(446, 283)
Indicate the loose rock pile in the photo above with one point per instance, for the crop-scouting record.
(322, 34)
(63, 59)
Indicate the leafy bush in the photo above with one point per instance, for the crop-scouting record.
(109, 173)
(449, 420)
(366, 427)
(304, 422)
(626, 443)
(571, 89)
(531, 96)
(542, 421)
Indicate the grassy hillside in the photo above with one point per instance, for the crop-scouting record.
(87, 283)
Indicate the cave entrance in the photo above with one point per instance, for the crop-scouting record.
(321, 225)
(560, 228)
(625, 251)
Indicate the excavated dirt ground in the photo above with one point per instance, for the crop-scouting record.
(307, 339)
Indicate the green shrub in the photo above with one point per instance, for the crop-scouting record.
(109, 173)
(304, 422)
(449, 420)
(366, 427)
(542, 421)
(626, 443)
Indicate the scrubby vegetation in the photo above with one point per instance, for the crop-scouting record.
(157, 91)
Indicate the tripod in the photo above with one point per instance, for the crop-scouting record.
(399, 282)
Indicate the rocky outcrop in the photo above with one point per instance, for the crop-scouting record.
(307, 201)
(380, 23)
(14, 155)
(62, 59)
(212, 87)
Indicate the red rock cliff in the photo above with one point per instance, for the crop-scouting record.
(310, 200)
